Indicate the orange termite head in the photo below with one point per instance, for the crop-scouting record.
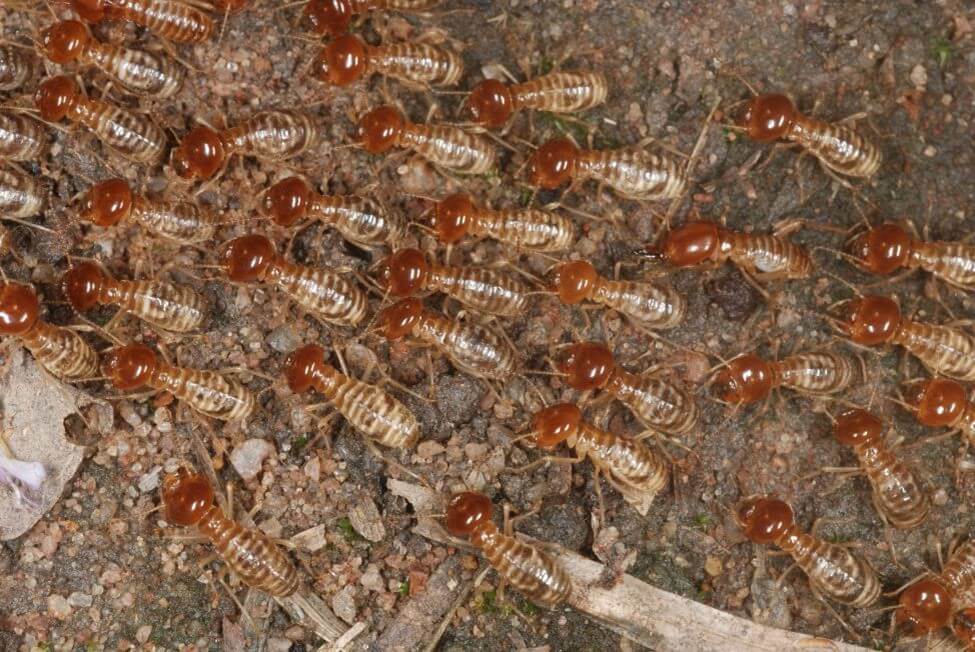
(19, 308)
(746, 379)
(131, 366)
(91, 11)
(491, 103)
(302, 366)
(342, 61)
(870, 320)
(399, 319)
(881, 250)
(763, 519)
(768, 117)
(84, 284)
(575, 281)
(186, 497)
(691, 244)
(453, 216)
(553, 164)
(248, 258)
(380, 129)
(331, 16)
(857, 426)
(937, 402)
(963, 626)
(107, 203)
(467, 512)
(200, 154)
(924, 606)
(65, 41)
(588, 365)
(555, 424)
(405, 272)
(55, 97)
(287, 201)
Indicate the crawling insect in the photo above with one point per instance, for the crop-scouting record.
(175, 308)
(348, 58)
(368, 408)
(406, 273)
(268, 135)
(527, 228)
(135, 366)
(634, 173)
(523, 565)
(334, 16)
(493, 103)
(941, 403)
(448, 147)
(140, 72)
(132, 135)
(253, 259)
(659, 404)
(650, 304)
(749, 379)
(358, 219)
(896, 495)
(928, 604)
(188, 501)
(963, 626)
(887, 248)
(22, 138)
(17, 68)
(771, 117)
(874, 320)
(109, 202)
(172, 20)
(20, 195)
(59, 350)
(473, 349)
(833, 571)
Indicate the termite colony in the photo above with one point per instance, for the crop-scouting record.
(452, 271)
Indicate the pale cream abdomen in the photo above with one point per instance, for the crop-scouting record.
(61, 351)
(472, 349)
(634, 173)
(659, 404)
(816, 373)
(487, 290)
(170, 307)
(138, 71)
(209, 393)
(176, 21)
(20, 196)
(177, 220)
(375, 413)
(527, 569)
(417, 63)
(562, 92)
(359, 220)
(953, 262)
(132, 135)
(654, 305)
(451, 148)
(21, 138)
(322, 292)
(528, 228)
(274, 135)
(942, 349)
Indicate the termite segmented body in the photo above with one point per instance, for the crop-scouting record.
(21, 138)
(774, 117)
(132, 135)
(368, 408)
(833, 570)
(358, 219)
(874, 320)
(633, 173)
(17, 67)
(473, 349)
(189, 501)
(175, 308)
(253, 259)
(963, 626)
(523, 565)
(769, 257)
(748, 378)
(887, 248)
(896, 495)
(406, 272)
(528, 228)
(449, 147)
(135, 366)
(334, 16)
(630, 467)
(140, 72)
(927, 605)
(348, 58)
(941, 403)
(171, 19)
(59, 350)
(654, 305)
(268, 135)
(20, 195)
(109, 202)
(493, 103)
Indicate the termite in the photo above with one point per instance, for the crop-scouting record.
(20, 195)
(348, 58)
(493, 103)
(358, 219)
(253, 259)
(268, 135)
(109, 202)
(634, 173)
(334, 16)
(59, 350)
(887, 248)
(176, 21)
(188, 500)
(135, 366)
(523, 565)
(875, 320)
(749, 378)
(529, 228)
(140, 72)
(833, 570)
(659, 404)
(928, 604)
(896, 495)
(368, 408)
(22, 138)
(175, 308)
(407, 272)
(774, 117)
(132, 135)
(941, 403)
(768, 257)
(963, 626)
(473, 349)
(650, 304)
(17, 68)
(449, 147)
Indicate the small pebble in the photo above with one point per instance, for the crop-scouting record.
(142, 634)
(343, 604)
(58, 606)
(77, 599)
(249, 456)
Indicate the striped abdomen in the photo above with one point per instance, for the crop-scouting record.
(16, 67)
(171, 307)
(371, 411)
(768, 255)
(658, 403)
(250, 554)
(896, 494)
(206, 392)
(176, 21)
(561, 92)
(472, 348)
(450, 147)
(359, 220)
(958, 573)
(655, 305)
(942, 349)
(528, 228)
(633, 469)
(20, 195)
(418, 63)
(21, 138)
(832, 570)
(952, 261)
(132, 135)
(61, 351)
(634, 173)
(273, 135)
(486, 290)
(839, 148)
(524, 566)
(140, 72)
(176, 220)
(326, 294)
(816, 373)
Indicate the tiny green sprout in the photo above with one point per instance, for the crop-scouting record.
(348, 532)
(526, 196)
(943, 50)
(528, 608)
(546, 65)
(487, 602)
(299, 443)
(702, 520)
(404, 588)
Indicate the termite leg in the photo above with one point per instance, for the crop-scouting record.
(541, 461)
